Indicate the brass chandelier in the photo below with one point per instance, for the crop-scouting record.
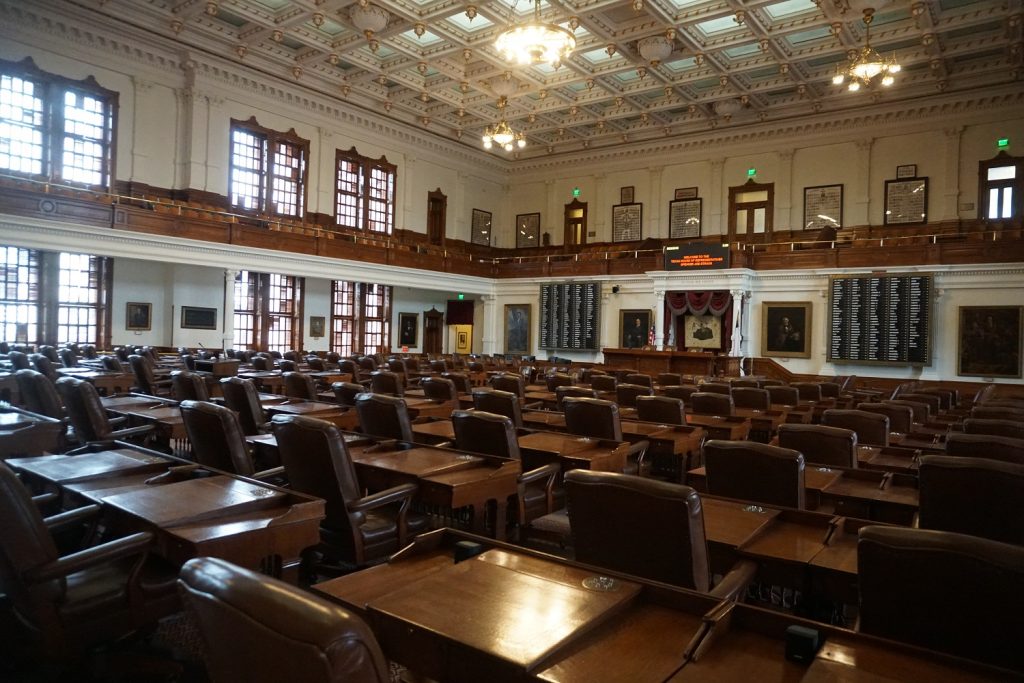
(868, 64)
(535, 42)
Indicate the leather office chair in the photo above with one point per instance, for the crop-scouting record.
(88, 351)
(647, 528)
(705, 403)
(920, 412)
(188, 386)
(1015, 403)
(262, 363)
(980, 425)
(189, 361)
(820, 444)
(509, 382)
(901, 418)
(665, 379)
(501, 402)
(439, 366)
(974, 496)
(757, 472)
(299, 385)
(660, 409)
(122, 353)
(240, 395)
(751, 397)
(985, 446)
(357, 529)
(681, 391)
(71, 603)
(440, 389)
(38, 394)
(462, 383)
(345, 392)
(570, 390)
(998, 413)
(19, 360)
(43, 365)
(745, 384)
(716, 388)
(290, 355)
(829, 389)
(626, 394)
(87, 415)
(783, 395)
(49, 352)
(871, 428)
(367, 364)
(948, 398)
(808, 391)
(557, 379)
(948, 592)
(603, 383)
(316, 364)
(482, 432)
(217, 439)
(261, 630)
(934, 401)
(384, 416)
(111, 364)
(639, 379)
(287, 366)
(333, 358)
(146, 380)
(600, 419)
(387, 382)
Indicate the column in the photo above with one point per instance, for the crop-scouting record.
(784, 193)
(489, 334)
(409, 173)
(738, 296)
(951, 192)
(654, 203)
(862, 185)
(553, 221)
(228, 315)
(598, 216)
(660, 337)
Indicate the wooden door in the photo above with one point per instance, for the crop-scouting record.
(575, 223)
(751, 209)
(433, 327)
(437, 211)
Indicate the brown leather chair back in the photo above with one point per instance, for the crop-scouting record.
(440, 389)
(368, 363)
(948, 398)
(500, 402)
(349, 366)
(603, 382)
(240, 395)
(290, 355)
(871, 428)
(643, 527)
(43, 365)
(482, 432)
(287, 366)
(920, 411)
(948, 592)
(68, 358)
(821, 445)
(49, 352)
(462, 384)
(751, 397)
(985, 446)
(746, 470)
(808, 391)
(216, 437)
(975, 496)
(558, 379)
(188, 386)
(299, 385)
(660, 409)
(934, 402)
(19, 360)
(84, 408)
(143, 371)
(681, 391)
(707, 403)
(345, 392)
(439, 366)
(901, 418)
(716, 388)
(829, 389)
(112, 364)
(592, 417)
(783, 395)
(509, 382)
(998, 413)
(262, 630)
(626, 394)
(387, 382)
(316, 364)
(745, 383)
(262, 363)
(980, 425)
(570, 390)
(639, 379)
(384, 416)
(38, 394)
(665, 379)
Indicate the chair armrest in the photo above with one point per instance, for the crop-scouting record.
(638, 447)
(736, 581)
(394, 494)
(44, 499)
(269, 474)
(549, 471)
(119, 420)
(120, 548)
(536, 405)
(63, 519)
(132, 431)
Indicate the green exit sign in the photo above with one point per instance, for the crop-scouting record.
(1003, 143)
(751, 172)
(575, 192)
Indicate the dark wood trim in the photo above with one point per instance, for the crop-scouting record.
(769, 206)
(274, 138)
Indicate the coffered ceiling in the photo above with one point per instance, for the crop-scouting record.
(729, 62)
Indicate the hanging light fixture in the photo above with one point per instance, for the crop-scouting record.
(868, 64)
(535, 42)
(501, 133)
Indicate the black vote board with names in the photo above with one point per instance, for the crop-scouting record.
(881, 319)
(569, 316)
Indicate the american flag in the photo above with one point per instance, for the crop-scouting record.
(650, 337)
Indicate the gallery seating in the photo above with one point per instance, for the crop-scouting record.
(757, 472)
(261, 630)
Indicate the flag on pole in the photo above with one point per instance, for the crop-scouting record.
(650, 337)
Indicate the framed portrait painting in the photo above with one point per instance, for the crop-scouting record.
(517, 328)
(138, 316)
(702, 332)
(407, 324)
(786, 329)
(989, 341)
(634, 326)
(316, 325)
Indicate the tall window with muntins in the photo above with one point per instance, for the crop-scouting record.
(1001, 188)
(245, 310)
(364, 192)
(268, 311)
(1000, 191)
(360, 317)
(282, 302)
(268, 170)
(55, 129)
(19, 299)
(78, 299)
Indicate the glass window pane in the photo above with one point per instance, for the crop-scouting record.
(993, 202)
(1002, 173)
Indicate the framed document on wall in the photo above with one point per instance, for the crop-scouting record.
(626, 222)
(481, 227)
(823, 207)
(527, 230)
(684, 216)
(906, 201)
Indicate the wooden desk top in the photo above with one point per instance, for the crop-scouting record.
(437, 430)
(545, 419)
(71, 469)
(578, 451)
(414, 462)
(771, 418)
(298, 406)
(733, 428)
(793, 536)
(731, 523)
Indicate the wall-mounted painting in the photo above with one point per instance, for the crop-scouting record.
(316, 326)
(517, 328)
(407, 324)
(786, 329)
(634, 326)
(197, 318)
(702, 332)
(989, 341)
(138, 316)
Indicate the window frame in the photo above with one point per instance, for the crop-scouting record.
(1016, 183)
(359, 318)
(364, 198)
(263, 317)
(53, 88)
(272, 141)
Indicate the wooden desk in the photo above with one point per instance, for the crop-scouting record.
(573, 451)
(60, 470)
(674, 449)
(725, 427)
(219, 367)
(342, 417)
(798, 414)
(106, 383)
(269, 381)
(880, 496)
(434, 432)
(763, 422)
(428, 407)
(653, 362)
(544, 419)
(25, 433)
(888, 459)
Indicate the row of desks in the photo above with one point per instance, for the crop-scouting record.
(509, 614)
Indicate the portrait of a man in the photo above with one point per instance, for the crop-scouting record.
(517, 328)
(990, 341)
(407, 329)
(138, 316)
(635, 326)
(786, 329)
